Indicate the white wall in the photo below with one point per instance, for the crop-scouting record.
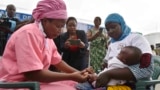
(153, 38)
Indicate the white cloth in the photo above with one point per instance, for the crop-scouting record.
(112, 64)
(132, 39)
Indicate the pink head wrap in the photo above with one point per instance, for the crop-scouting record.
(54, 9)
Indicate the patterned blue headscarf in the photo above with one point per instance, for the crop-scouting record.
(115, 17)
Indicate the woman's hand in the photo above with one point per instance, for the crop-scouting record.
(96, 35)
(102, 80)
(80, 76)
(92, 77)
(90, 70)
(99, 33)
(67, 44)
(81, 45)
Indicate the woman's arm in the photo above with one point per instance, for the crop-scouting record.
(119, 74)
(91, 37)
(65, 67)
(50, 76)
(146, 63)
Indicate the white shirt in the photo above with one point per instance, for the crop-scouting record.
(133, 39)
(112, 64)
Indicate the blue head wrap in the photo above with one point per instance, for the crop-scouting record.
(114, 17)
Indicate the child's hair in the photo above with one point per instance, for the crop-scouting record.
(135, 57)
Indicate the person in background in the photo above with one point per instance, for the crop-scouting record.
(8, 23)
(3, 38)
(74, 45)
(121, 36)
(98, 39)
(153, 50)
(30, 51)
(10, 16)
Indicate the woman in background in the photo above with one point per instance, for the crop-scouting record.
(74, 45)
(98, 40)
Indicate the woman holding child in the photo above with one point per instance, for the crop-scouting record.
(121, 36)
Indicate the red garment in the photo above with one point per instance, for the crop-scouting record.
(74, 48)
(145, 60)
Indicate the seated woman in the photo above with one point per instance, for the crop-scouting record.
(30, 51)
(121, 36)
(74, 45)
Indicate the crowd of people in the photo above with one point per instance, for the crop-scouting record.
(38, 50)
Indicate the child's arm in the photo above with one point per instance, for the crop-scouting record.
(119, 74)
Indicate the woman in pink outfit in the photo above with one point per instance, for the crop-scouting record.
(30, 51)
